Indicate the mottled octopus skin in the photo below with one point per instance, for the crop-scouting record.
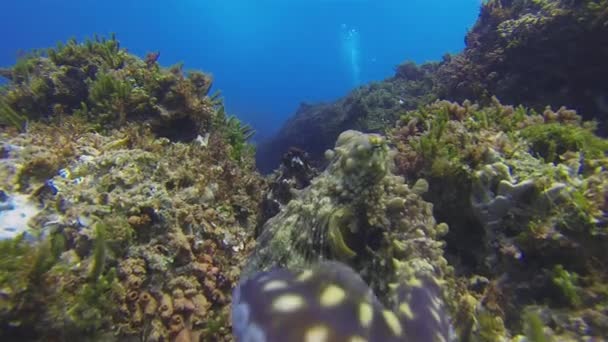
(330, 302)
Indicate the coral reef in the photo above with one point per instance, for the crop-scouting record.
(129, 202)
(534, 53)
(102, 83)
(137, 228)
(526, 52)
(524, 196)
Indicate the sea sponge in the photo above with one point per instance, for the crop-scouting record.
(176, 324)
(148, 303)
(181, 303)
(132, 296)
(157, 333)
(134, 282)
(166, 306)
(201, 305)
(137, 315)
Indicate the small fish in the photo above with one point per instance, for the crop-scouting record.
(330, 302)
(65, 173)
(50, 185)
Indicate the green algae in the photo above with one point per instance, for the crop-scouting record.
(92, 306)
(23, 271)
(98, 261)
(17, 253)
(552, 140)
(491, 327)
(113, 153)
(237, 135)
(100, 82)
(10, 117)
(111, 95)
(72, 53)
(513, 184)
(567, 283)
(534, 327)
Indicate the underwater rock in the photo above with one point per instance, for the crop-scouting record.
(295, 173)
(533, 53)
(371, 108)
(15, 213)
(524, 197)
(98, 80)
(132, 219)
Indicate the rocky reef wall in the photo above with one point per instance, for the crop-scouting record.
(136, 198)
(535, 53)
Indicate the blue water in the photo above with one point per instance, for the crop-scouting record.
(267, 56)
